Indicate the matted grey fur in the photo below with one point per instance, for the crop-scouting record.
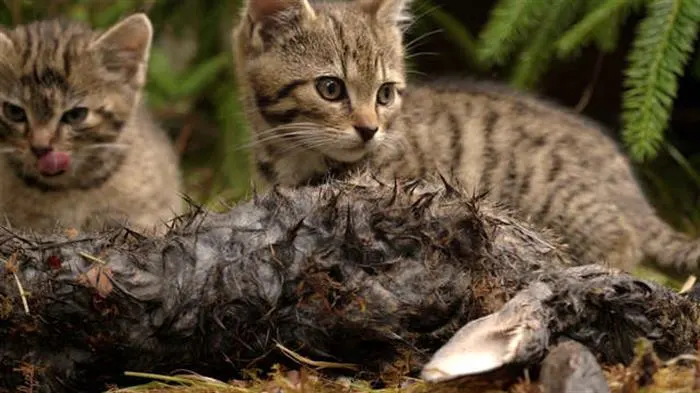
(353, 272)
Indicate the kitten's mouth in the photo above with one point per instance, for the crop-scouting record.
(53, 163)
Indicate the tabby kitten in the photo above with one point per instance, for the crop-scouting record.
(325, 91)
(77, 147)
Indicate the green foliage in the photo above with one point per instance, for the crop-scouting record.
(661, 51)
(601, 24)
(539, 32)
(512, 21)
(533, 59)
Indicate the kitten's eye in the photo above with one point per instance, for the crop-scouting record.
(330, 88)
(14, 113)
(386, 93)
(74, 116)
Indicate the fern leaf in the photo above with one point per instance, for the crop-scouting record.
(535, 57)
(606, 35)
(509, 24)
(661, 50)
(601, 23)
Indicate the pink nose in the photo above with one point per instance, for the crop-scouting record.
(40, 151)
(366, 133)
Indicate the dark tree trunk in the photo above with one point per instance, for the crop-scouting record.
(353, 272)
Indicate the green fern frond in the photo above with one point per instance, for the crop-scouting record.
(661, 50)
(535, 57)
(509, 24)
(601, 24)
(606, 35)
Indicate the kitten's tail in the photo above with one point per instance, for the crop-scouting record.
(670, 249)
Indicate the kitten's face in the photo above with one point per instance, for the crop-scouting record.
(325, 77)
(65, 94)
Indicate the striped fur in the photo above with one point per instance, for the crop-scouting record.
(66, 87)
(549, 164)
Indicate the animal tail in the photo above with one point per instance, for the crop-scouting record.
(670, 249)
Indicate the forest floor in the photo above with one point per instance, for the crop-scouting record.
(645, 374)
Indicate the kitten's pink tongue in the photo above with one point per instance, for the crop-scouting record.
(53, 163)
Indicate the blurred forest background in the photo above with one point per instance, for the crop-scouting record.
(631, 64)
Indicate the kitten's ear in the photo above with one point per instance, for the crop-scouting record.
(127, 44)
(390, 11)
(259, 10)
(132, 35)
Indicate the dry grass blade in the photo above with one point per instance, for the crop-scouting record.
(11, 265)
(192, 383)
(319, 365)
(22, 293)
(688, 285)
(92, 258)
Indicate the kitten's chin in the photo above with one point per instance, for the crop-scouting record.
(348, 155)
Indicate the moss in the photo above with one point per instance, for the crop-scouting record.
(677, 377)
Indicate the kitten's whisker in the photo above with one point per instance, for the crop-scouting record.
(297, 134)
(287, 142)
(292, 149)
(306, 144)
(291, 132)
(295, 147)
(288, 125)
(414, 55)
(288, 132)
(417, 40)
(322, 142)
(286, 128)
(418, 17)
(313, 142)
(258, 137)
(105, 146)
(414, 72)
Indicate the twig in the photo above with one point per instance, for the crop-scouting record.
(183, 138)
(588, 92)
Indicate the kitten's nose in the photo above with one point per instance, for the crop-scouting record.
(40, 151)
(366, 133)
